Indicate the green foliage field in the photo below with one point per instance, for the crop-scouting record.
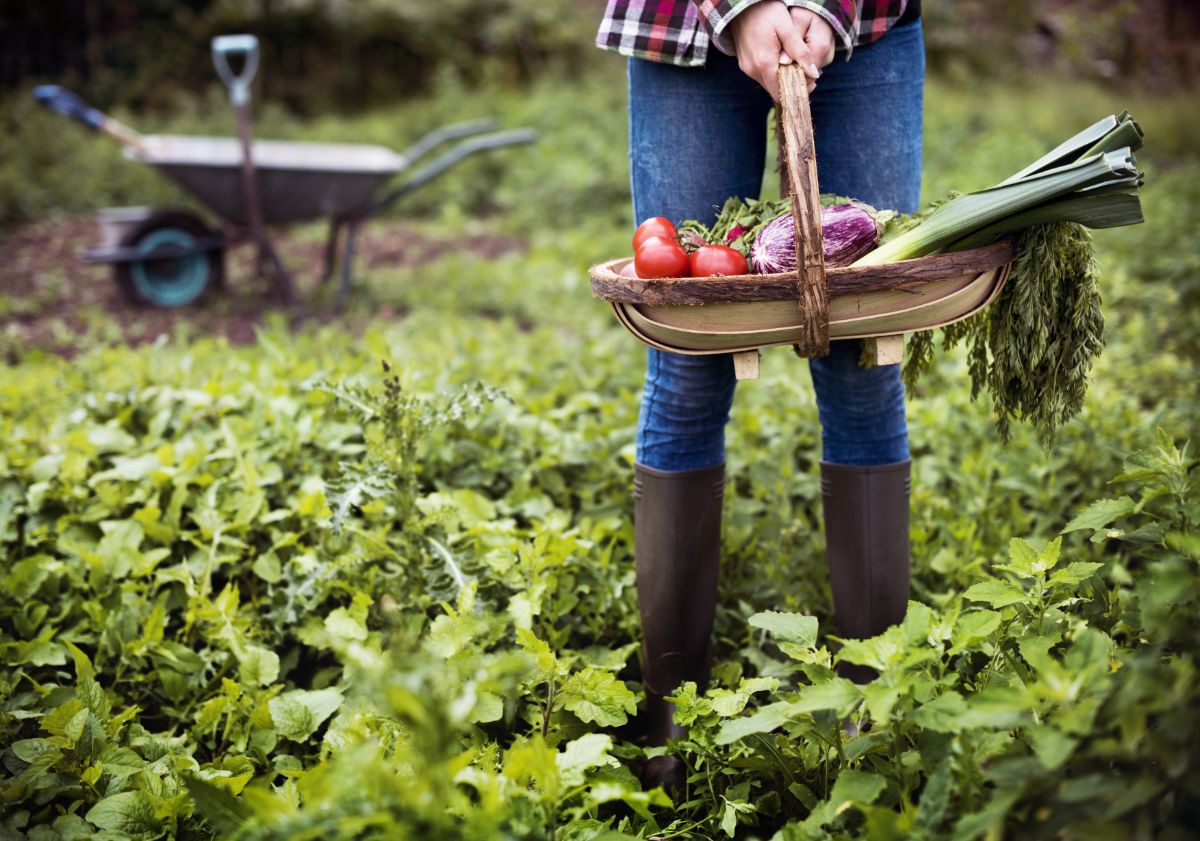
(380, 584)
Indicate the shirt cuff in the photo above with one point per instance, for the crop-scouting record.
(843, 21)
(716, 15)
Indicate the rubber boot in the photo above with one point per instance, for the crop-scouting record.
(866, 539)
(677, 545)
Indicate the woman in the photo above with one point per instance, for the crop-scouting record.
(697, 135)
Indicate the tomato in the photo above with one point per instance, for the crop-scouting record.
(708, 260)
(661, 257)
(655, 226)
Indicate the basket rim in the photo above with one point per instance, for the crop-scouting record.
(608, 284)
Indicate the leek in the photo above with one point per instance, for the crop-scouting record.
(1105, 136)
(1102, 210)
(1032, 350)
(1059, 186)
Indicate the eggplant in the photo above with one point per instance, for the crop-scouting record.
(849, 231)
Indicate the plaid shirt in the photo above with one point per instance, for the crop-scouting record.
(679, 31)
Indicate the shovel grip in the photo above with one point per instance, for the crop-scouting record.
(226, 46)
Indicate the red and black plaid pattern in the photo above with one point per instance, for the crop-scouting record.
(679, 31)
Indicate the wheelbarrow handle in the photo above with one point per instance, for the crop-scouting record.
(449, 158)
(225, 46)
(437, 137)
(62, 101)
(70, 105)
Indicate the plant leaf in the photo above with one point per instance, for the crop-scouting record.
(297, 714)
(996, 593)
(838, 694)
(221, 809)
(580, 755)
(129, 811)
(944, 714)
(596, 695)
(793, 627)
(764, 720)
(1100, 513)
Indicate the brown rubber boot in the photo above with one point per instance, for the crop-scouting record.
(866, 538)
(677, 547)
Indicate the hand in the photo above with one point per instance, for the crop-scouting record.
(767, 35)
(817, 34)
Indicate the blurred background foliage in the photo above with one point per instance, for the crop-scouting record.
(321, 54)
(343, 55)
(386, 71)
(1130, 44)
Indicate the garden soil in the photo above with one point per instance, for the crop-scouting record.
(51, 300)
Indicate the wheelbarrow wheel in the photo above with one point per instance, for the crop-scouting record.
(172, 281)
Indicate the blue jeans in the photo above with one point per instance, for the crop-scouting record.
(698, 136)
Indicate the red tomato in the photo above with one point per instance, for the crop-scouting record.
(655, 226)
(708, 260)
(660, 257)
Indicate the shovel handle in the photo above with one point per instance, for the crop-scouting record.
(226, 46)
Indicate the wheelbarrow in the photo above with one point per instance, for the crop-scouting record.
(170, 258)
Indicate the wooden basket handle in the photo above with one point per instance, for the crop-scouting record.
(798, 159)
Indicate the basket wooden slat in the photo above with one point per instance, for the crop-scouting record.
(721, 317)
(649, 324)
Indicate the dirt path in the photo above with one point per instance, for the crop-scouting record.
(50, 299)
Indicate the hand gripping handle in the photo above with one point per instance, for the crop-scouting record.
(225, 46)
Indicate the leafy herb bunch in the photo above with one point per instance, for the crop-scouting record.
(1032, 350)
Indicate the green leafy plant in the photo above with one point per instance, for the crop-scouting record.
(206, 632)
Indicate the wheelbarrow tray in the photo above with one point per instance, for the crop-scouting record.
(296, 181)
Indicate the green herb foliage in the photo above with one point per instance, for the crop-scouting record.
(1033, 348)
(738, 222)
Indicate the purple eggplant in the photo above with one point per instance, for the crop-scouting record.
(849, 231)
